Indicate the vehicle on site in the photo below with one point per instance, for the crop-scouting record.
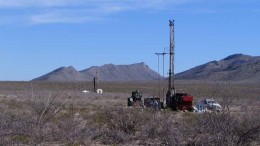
(137, 100)
(152, 102)
(210, 104)
(174, 100)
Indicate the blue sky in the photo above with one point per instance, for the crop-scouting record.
(38, 36)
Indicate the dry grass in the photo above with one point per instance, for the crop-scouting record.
(56, 113)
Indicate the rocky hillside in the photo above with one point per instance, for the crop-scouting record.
(236, 67)
(65, 74)
(108, 72)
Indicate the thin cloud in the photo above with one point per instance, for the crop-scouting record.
(65, 16)
(37, 3)
(60, 18)
(196, 11)
(67, 3)
(80, 11)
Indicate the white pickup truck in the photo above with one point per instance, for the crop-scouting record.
(209, 104)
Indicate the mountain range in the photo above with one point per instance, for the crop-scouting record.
(237, 67)
(107, 72)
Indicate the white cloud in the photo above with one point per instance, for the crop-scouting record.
(79, 11)
(65, 16)
(129, 4)
(37, 3)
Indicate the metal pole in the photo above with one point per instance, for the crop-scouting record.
(160, 83)
(96, 82)
(171, 70)
(159, 76)
(159, 80)
(163, 77)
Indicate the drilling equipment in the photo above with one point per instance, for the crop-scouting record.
(174, 100)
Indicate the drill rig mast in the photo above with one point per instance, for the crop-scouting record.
(176, 101)
(171, 70)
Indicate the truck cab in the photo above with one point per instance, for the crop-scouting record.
(210, 104)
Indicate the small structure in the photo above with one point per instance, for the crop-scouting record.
(85, 91)
(99, 91)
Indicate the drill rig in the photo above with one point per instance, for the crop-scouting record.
(174, 100)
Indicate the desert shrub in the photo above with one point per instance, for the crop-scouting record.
(73, 118)
(42, 120)
(224, 129)
(120, 125)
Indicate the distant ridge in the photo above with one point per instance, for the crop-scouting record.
(108, 72)
(64, 74)
(234, 68)
(237, 67)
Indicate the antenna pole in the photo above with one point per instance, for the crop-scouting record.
(159, 78)
(163, 78)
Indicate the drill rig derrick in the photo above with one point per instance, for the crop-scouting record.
(175, 101)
